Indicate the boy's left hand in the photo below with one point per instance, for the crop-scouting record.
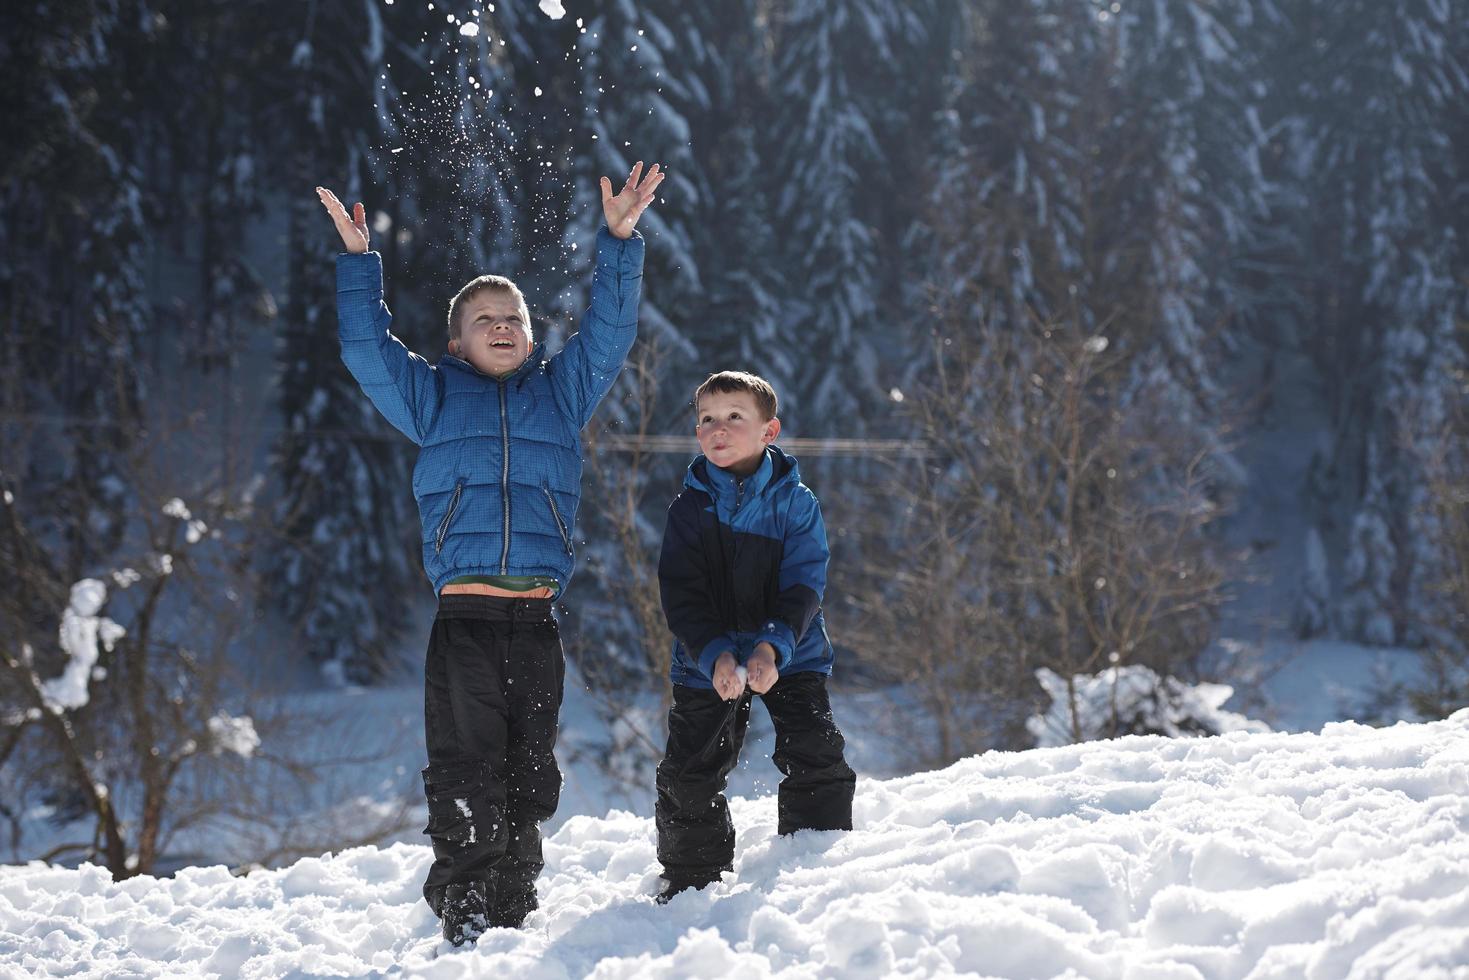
(623, 209)
(761, 667)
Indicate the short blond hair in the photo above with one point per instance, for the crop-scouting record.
(496, 284)
(734, 382)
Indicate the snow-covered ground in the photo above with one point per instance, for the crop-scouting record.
(1343, 853)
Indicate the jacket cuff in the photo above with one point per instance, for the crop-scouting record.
(711, 653)
(621, 255)
(782, 638)
(358, 271)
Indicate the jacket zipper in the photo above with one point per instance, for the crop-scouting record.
(448, 516)
(556, 513)
(505, 479)
(735, 558)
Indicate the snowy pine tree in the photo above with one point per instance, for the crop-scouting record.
(71, 272)
(1366, 142)
(347, 551)
(736, 220)
(1312, 614)
(1367, 587)
(835, 86)
(1194, 157)
(633, 79)
(1070, 192)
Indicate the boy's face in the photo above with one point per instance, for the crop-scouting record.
(493, 333)
(731, 432)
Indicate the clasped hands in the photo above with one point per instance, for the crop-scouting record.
(760, 670)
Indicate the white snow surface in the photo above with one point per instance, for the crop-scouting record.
(1336, 854)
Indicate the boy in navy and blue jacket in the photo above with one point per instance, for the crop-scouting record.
(497, 481)
(742, 574)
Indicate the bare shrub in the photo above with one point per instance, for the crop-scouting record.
(140, 726)
(1061, 520)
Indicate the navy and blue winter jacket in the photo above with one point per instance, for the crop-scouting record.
(744, 562)
(498, 479)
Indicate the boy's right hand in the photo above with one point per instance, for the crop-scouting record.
(727, 682)
(353, 227)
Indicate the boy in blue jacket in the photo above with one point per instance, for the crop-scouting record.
(497, 481)
(742, 573)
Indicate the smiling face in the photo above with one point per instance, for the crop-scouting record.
(732, 432)
(494, 332)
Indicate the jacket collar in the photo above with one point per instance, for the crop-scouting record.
(721, 484)
(532, 360)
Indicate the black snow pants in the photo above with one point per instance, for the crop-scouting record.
(695, 834)
(492, 698)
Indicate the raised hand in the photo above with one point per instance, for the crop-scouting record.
(352, 228)
(623, 209)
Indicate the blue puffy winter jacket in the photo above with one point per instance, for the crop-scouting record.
(744, 561)
(498, 479)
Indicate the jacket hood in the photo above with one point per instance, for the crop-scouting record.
(776, 468)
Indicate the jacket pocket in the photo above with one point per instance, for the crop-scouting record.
(556, 516)
(448, 517)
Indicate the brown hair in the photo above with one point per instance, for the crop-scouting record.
(734, 382)
(477, 285)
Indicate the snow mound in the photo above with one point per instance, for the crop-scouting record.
(1323, 855)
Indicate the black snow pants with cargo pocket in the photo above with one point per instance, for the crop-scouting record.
(695, 834)
(492, 698)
